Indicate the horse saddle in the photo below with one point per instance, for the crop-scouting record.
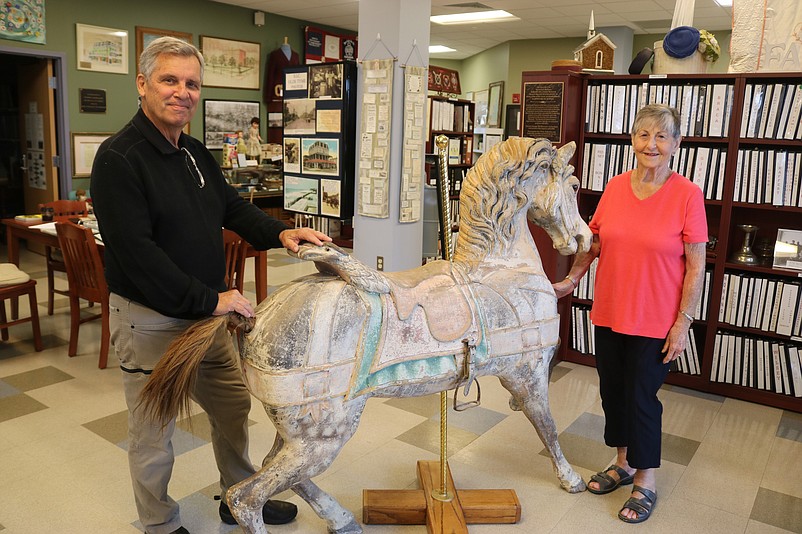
(433, 287)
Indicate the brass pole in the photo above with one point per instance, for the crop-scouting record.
(441, 141)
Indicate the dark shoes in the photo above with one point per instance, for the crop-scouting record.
(642, 507)
(273, 513)
(607, 483)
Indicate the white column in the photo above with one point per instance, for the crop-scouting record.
(400, 23)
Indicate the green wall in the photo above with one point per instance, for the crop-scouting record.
(198, 17)
(201, 17)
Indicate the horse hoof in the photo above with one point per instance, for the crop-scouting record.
(351, 528)
(574, 487)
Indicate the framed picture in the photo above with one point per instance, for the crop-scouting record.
(300, 194)
(481, 107)
(292, 154)
(299, 116)
(144, 36)
(230, 63)
(226, 116)
(326, 81)
(84, 148)
(101, 49)
(495, 96)
(320, 156)
(330, 197)
(512, 121)
(788, 249)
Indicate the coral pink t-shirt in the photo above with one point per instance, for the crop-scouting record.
(642, 257)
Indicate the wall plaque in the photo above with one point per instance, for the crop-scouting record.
(542, 110)
(92, 100)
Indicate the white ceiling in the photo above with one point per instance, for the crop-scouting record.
(540, 19)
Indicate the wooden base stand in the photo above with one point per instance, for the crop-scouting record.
(419, 507)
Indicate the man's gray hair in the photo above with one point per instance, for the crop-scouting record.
(167, 45)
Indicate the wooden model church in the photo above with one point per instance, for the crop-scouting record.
(597, 52)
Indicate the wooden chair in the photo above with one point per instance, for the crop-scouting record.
(55, 261)
(235, 248)
(14, 284)
(87, 281)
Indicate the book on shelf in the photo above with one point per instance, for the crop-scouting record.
(750, 361)
(454, 151)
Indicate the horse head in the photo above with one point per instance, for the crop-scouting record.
(554, 206)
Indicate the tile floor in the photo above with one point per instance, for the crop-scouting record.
(729, 466)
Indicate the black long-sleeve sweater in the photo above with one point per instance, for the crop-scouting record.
(161, 230)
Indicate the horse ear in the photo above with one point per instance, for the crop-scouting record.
(566, 151)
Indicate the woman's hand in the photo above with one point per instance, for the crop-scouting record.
(233, 301)
(677, 339)
(562, 288)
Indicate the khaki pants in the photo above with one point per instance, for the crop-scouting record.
(140, 336)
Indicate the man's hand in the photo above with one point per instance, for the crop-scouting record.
(233, 301)
(294, 237)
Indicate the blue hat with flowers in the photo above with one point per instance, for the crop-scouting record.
(681, 41)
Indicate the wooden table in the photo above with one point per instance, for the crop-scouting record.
(17, 230)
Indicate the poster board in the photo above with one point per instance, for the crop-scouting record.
(318, 116)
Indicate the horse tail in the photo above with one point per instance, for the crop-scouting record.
(167, 392)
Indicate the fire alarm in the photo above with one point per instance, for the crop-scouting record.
(259, 18)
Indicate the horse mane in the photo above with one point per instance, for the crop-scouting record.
(493, 194)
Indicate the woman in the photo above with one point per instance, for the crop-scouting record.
(649, 233)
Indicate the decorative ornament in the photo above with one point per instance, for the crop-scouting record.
(708, 46)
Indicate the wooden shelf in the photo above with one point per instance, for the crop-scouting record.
(723, 217)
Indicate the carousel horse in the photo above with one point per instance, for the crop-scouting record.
(320, 346)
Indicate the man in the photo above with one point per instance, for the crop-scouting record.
(161, 203)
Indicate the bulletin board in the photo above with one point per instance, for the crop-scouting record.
(319, 117)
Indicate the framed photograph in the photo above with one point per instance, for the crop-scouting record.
(299, 116)
(226, 116)
(230, 63)
(300, 194)
(328, 120)
(330, 198)
(495, 96)
(295, 81)
(788, 249)
(101, 49)
(512, 121)
(480, 98)
(326, 81)
(275, 120)
(84, 148)
(292, 154)
(144, 36)
(320, 156)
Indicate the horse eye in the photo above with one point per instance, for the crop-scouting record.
(575, 187)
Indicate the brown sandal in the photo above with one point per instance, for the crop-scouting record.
(607, 483)
(642, 507)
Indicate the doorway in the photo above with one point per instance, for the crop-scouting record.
(23, 122)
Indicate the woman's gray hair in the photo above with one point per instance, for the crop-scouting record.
(665, 117)
(167, 45)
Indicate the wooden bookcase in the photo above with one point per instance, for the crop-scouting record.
(453, 118)
(713, 142)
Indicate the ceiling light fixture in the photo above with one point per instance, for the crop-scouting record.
(724, 3)
(439, 49)
(474, 17)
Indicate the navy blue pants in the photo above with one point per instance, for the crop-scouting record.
(631, 371)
